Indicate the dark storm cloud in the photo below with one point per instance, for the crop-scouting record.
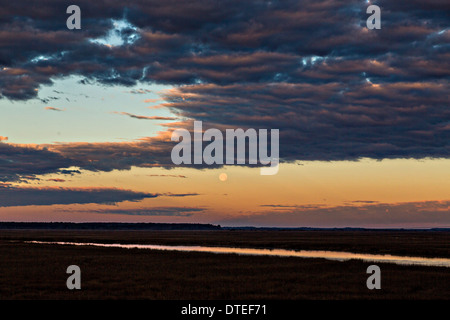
(331, 121)
(211, 41)
(108, 156)
(11, 196)
(335, 89)
(23, 162)
(18, 161)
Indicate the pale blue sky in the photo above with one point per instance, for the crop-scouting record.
(88, 113)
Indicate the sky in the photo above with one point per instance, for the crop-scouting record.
(363, 115)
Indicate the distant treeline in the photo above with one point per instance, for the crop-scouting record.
(174, 226)
(107, 226)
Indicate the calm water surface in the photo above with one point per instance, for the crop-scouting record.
(330, 255)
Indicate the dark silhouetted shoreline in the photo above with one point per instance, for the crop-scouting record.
(106, 226)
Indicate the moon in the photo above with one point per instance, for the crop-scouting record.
(223, 177)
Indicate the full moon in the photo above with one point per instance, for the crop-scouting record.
(223, 177)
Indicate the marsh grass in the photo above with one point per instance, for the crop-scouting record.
(37, 271)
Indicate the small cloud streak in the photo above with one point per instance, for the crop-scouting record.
(139, 91)
(156, 211)
(167, 175)
(54, 109)
(57, 180)
(151, 100)
(299, 207)
(146, 117)
(169, 194)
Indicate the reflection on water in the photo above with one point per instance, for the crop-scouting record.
(331, 255)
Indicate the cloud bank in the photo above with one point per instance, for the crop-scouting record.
(336, 90)
(423, 214)
(11, 196)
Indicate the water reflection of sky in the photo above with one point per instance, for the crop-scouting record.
(330, 255)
